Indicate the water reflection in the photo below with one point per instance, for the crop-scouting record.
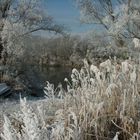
(54, 75)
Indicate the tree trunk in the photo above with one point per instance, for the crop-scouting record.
(5, 6)
(1, 49)
(3, 54)
(1, 44)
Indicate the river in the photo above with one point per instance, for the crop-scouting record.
(37, 77)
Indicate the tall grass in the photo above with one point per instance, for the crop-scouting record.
(101, 103)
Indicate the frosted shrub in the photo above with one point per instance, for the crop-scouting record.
(49, 90)
(52, 93)
(9, 34)
(133, 75)
(95, 106)
(9, 132)
(94, 69)
(58, 132)
(31, 123)
(106, 65)
(126, 66)
(75, 77)
(111, 89)
(31, 127)
(136, 42)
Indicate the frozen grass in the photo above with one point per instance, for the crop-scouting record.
(102, 103)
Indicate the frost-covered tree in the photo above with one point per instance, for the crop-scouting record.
(120, 18)
(19, 18)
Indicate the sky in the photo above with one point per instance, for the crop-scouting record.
(65, 12)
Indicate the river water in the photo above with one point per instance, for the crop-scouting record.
(54, 75)
(37, 77)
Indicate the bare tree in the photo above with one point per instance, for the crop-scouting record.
(120, 18)
(19, 18)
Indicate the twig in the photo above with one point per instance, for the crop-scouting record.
(121, 128)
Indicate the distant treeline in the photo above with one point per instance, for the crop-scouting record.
(69, 51)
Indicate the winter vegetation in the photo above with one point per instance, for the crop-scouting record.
(101, 100)
(101, 103)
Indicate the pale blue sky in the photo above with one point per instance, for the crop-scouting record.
(65, 12)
